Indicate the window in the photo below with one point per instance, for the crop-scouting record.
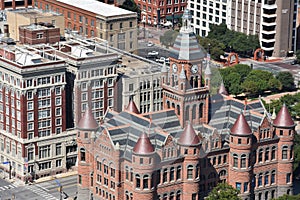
(288, 177)
(165, 174)
(260, 155)
(82, 155)
(172, 170)
(130, 24)
(266, 178)
(284, 152)
(273, 177)
(138, 181)
(145, 182)
(58, 163)
(178, 173)
(260, 180)
(239, 141)
(273, 153)
(246, 187)
(58, 149)
(44, 151)
(243, 161)
(238, 185)
(235, 160)
(190, 172)
(267, 154)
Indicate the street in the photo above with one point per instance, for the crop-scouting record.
(41, 191)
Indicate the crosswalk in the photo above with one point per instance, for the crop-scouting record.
(7, 187)
(41, 192)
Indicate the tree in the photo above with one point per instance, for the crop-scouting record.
(223, 191)
(243, 70)
(215, 47)
(287, 80)
(131, 6)
(168, 38)
(289, 197)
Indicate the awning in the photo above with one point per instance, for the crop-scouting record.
(176, 16)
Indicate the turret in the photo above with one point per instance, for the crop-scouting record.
(143, 159)
(164, 73)
(87, 128)
(132, 107)
(207, 75)
(284, 128)
(240, 165)
(190, 143)
(182, 79)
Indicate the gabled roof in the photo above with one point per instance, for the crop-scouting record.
(189, 136)
(283, 118)
(132, 107)
(88, 122)
(143, 145)
(241, 126)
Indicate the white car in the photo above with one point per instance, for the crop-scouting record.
(150, 44)
(161, 60)
(153, 53)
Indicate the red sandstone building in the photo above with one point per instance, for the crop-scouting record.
(154, 12)
(195, 142)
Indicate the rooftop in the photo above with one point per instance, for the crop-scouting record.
(33, 13)
(98, 7)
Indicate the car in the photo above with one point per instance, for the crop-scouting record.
(150, 44)
(153, 53)
(161, 60)
(294, 62)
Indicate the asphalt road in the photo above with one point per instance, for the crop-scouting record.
(42, 191)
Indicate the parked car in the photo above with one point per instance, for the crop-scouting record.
(153, 53)
(150, 44)
(161, 60)
(294, 62)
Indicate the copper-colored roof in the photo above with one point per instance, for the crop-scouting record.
(189, 136)
(283, 118)
(241, 126)
(132, 107)
(222, 89)
(88, 121)
(143, 145)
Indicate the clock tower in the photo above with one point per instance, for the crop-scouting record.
(184, 88)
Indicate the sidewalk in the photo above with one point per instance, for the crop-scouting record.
(62, 175)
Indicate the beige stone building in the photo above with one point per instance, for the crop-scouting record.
(20, 17)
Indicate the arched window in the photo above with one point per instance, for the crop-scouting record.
(178, 110)
(194, 112)
(260, 155)
(178, 195)
(273, 153)
(168, 104)
(187, 113)
(131, 175)
(165, 174)
(145, 182)
(127, 173)
(197, 171)
(178, 173)
(291, 152)
(172, 171)
(82, 154)
(267, 152)
(273, 177)
(267, 178)
(222, 173)
(260, 180)
(266, 195)
(165, 197)
(284, 152)
(138, 181)
(243, 161)
(190, 172)
(201, 110)
(235, 160)
(172, 196)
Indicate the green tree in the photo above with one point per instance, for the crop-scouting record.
(233, 81)
(130, 5)
(223, 191)
(250, 86)
(168, 38)
(287, 80)
(215, 47)
(243, 70)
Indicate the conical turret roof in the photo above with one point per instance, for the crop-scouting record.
(143, 145)
(88, 122)
(241, 126)
(132, 107)
(283, 118)
(222, 89)
(182, 73)
(189, 136)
